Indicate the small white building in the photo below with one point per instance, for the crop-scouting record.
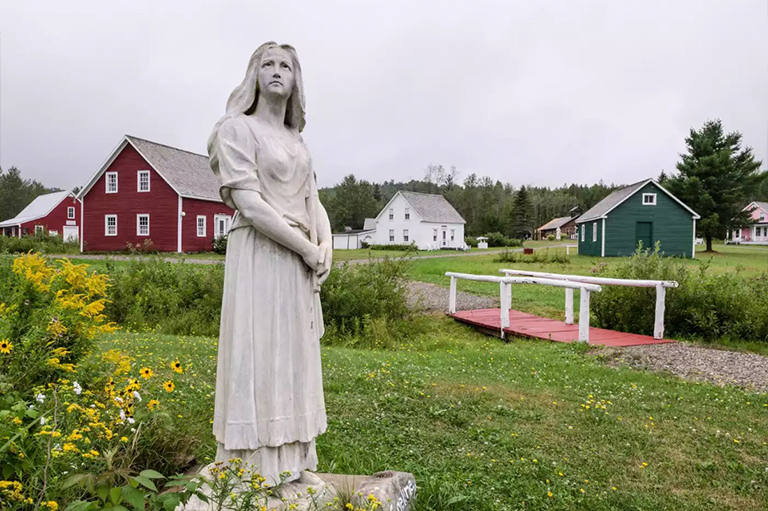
(352, 239)
(427, 220)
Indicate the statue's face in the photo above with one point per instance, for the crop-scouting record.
(276, 73)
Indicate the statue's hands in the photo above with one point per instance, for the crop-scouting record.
(325, 261)
(312, 257)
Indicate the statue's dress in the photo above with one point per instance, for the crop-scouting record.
(269, 391)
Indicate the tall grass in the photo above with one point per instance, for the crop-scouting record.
(38, 243)
(706, 305)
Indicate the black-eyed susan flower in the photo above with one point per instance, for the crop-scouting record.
(169, 386)
(5, 346)
(146, 373)
(153, 404)
(176, 366)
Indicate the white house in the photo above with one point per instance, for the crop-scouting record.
(352, 239)
(427, 220)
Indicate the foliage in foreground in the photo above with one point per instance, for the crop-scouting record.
(707, 306)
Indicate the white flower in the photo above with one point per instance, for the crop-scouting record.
(42, 421)
(40, 398)
(118, 399)
(122, 415)
(131, 420)
(137, 396)
(77, 387)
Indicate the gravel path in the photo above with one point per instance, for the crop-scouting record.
(433, 298)
(721, 367)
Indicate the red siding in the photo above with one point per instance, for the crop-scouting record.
(192, 208)
(161, 203)
(56, 219)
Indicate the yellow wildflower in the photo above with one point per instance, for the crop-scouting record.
(153, 404)
(6, 346)
(176, 366)
(146, 373)
(169, 386)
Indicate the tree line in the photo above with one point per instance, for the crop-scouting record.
(16, 192)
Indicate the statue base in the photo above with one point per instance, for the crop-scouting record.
(395, 491)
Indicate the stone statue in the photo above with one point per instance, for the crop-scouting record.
(269, 391)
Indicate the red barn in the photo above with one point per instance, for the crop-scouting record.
(55, 213)
(150, 191)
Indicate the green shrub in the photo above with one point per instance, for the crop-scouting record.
(220, 244)
(538, 256)
(705, 305)
(366, 304)
(551, 237)
(496, 239)
(38, 243)
(402, 247)
(170, 298)
(49, 314)
(469, 240)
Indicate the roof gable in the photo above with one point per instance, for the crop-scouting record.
(189, 174)
(618, 197)
(757, 204)
(432, 208)
(40, 207)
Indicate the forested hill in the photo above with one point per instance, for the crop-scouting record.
(486, 205)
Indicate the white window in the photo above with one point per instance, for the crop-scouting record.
(71, 212)
(582, 232)
(407, 213)
(594, 232)
(39, 229)
(142, 225)
(453, 232)
(391, 214)
(391, 235)
(53, 233)
(111, 182)
(110, 225)
(201, 226)
(649, 199)
(434, 234)
(143, 181)
(405, 235)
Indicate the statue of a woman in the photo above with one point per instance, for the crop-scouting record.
(269, 389)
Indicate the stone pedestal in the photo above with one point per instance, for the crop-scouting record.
(396, 491)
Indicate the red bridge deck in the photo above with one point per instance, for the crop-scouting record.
(528, 325)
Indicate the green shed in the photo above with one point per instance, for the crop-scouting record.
(643, 212)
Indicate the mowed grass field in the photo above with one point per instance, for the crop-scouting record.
(526, 425)
(549, 301)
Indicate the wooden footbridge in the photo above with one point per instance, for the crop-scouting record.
(504, 322)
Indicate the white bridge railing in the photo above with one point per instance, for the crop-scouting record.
(505, 295)
(660, 285)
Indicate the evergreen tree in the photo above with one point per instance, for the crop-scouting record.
(716, 178)
(522, 211)
(16, 192)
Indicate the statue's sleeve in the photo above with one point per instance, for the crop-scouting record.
(237, 169)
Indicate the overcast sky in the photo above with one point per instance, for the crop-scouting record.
(527, 92)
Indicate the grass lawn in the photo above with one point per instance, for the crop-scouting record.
(526, 425)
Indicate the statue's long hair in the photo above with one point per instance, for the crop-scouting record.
(244, 98)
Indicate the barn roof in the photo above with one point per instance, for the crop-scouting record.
(605, 206)
(555, 223)
(188, 173)
(432, 207)
(40, 207)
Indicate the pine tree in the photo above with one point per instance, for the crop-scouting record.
(716, 178)
(522, 213)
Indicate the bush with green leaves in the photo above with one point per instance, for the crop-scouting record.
(496, 239)
(39, 243)
(705, 306)
(220, 244)
(366, 304)
(405, 247)
(538, 256)
(171, 298)
(471, 241)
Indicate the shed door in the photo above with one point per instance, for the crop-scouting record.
(644, 234)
